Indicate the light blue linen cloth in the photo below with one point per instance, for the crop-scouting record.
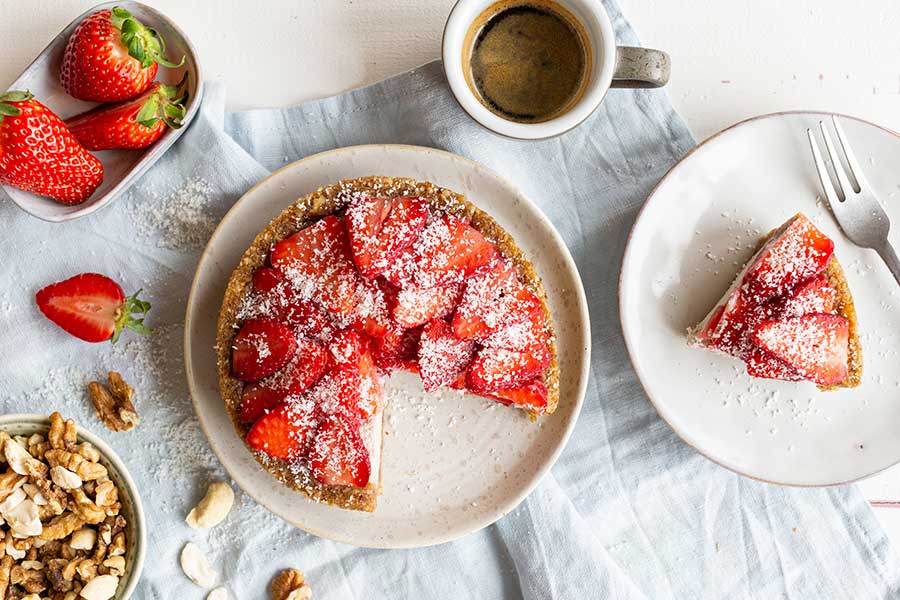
(628, 512)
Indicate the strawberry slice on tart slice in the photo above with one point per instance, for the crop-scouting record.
(765, 366)
(442, 356)
(449, 250)
(416, 306)
(261, 347)
(398, 349)
(381, 228)
(285, 433)
(530, 396)
(374, 301)
(815, 295)
(318, 265)
(511, 356)
(816, 346)
(277, 299)
(494, 298)
(338, 455)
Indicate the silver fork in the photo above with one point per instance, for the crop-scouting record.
(856, 208)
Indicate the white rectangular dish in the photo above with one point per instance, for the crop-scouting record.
(121, 168)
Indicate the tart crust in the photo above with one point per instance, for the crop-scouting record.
(303, 213)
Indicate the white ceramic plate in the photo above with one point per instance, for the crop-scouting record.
(697, 228)
(121, 168)
(452, 464)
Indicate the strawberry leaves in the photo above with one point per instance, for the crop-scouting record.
(127, 320)
(7, 109)
(144, 43)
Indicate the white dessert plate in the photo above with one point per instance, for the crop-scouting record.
(452, 463)
(696, 230)
(121, 168)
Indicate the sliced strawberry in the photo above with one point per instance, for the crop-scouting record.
(285, 433)
(92, 307)
(397, 349)
(278, 300)
(417, 306)
(371, 395)
(372, 313)
(494, 298)
(381, 228)
(762, 364)
(813, 296)
(295, 378)
(796, 253)
(318, 264)
(511, 356)
(442, 356)
(531, 396)
(816, 346)
(339, 456)
(449, 250)
(260, 348)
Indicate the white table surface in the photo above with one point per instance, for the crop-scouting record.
(732, 59)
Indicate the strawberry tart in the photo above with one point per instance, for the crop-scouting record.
(351, 282)
(789, 314)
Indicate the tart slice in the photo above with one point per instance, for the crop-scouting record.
(789, 314)
(356, 280)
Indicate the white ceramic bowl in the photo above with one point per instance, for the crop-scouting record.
(132, 509)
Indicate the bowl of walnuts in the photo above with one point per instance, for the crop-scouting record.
(72, 520)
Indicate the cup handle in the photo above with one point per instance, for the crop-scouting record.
(641, 68)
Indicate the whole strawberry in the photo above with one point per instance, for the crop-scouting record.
(132, 124)
(92, 307)
(39, 155)
(111, 56)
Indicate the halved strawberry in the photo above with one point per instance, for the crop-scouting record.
(372, 313)
(279, 301)
(531, 396)
(92, 307)
(318, 264)
(285, 432)
(351, 386)
(397, 349)
(449, 250)
(762, 364)
(813, 296)
(797, 252)
(511, 356)
(417, 306)
(442, 356)
(401, 272)
(816, 346)
(494, 298)
(339, 456)
(260, 348)
(381, 228)
(295, 378)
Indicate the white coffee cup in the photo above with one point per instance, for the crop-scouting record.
(611, 66)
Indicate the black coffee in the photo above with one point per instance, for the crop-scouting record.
(528, 61)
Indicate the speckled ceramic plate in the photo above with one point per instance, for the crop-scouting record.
(452, 463)
(132, 510)
(697, 228)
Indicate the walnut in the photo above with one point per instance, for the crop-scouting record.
(6, 566)
(87, 470)
(105, 493)
(86, 509)
(30, 580)
(63, 434)
(290, 584)
(88, 452)
(10, 481)
(113, 403)
(117, 548)
(61, 527)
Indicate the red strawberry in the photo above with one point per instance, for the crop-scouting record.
(511, 356)
(813, 296)
(351, 387)
(316, 261)
(278, 300)
(397, 349)
(816, 346)
(417, 306)
(381, 228)
(111, 56)
(291, 381)
(260, 348)
(39, 155)
(339, 455)
(494, 298)
(401, 271)
(442, 356)
(798, 252)
(762, 364)
(449, 250)
(372, 312)
(531, 396)
(92, 307)
(285, 432)
(131, 124)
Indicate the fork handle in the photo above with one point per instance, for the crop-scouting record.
(889, 256)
